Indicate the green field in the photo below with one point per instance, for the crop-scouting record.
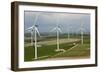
(78, 51)
(47, 50)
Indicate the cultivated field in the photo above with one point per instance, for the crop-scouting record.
(73, 49)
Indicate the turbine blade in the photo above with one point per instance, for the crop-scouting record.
(35, 20)
(53, 29)
(29, 28)
(37, 31)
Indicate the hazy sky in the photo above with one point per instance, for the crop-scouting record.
(46, 21)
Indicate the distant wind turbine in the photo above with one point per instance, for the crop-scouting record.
(58, 30)
(82, 37)
(69, 32)
(81, 30)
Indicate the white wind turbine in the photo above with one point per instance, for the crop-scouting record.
(58, 30)
(82, 37)
(36, 31)
(82, 32)
(69, 33)
(82, 29)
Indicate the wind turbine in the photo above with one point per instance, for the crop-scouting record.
(69, 31)
(82, 37)
(69, 34)
(58, 30)
(36, 31)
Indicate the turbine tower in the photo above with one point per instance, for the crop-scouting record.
(68, 34)
(34, 29)
(82, 37)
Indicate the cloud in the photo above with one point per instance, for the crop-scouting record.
(48, 20)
